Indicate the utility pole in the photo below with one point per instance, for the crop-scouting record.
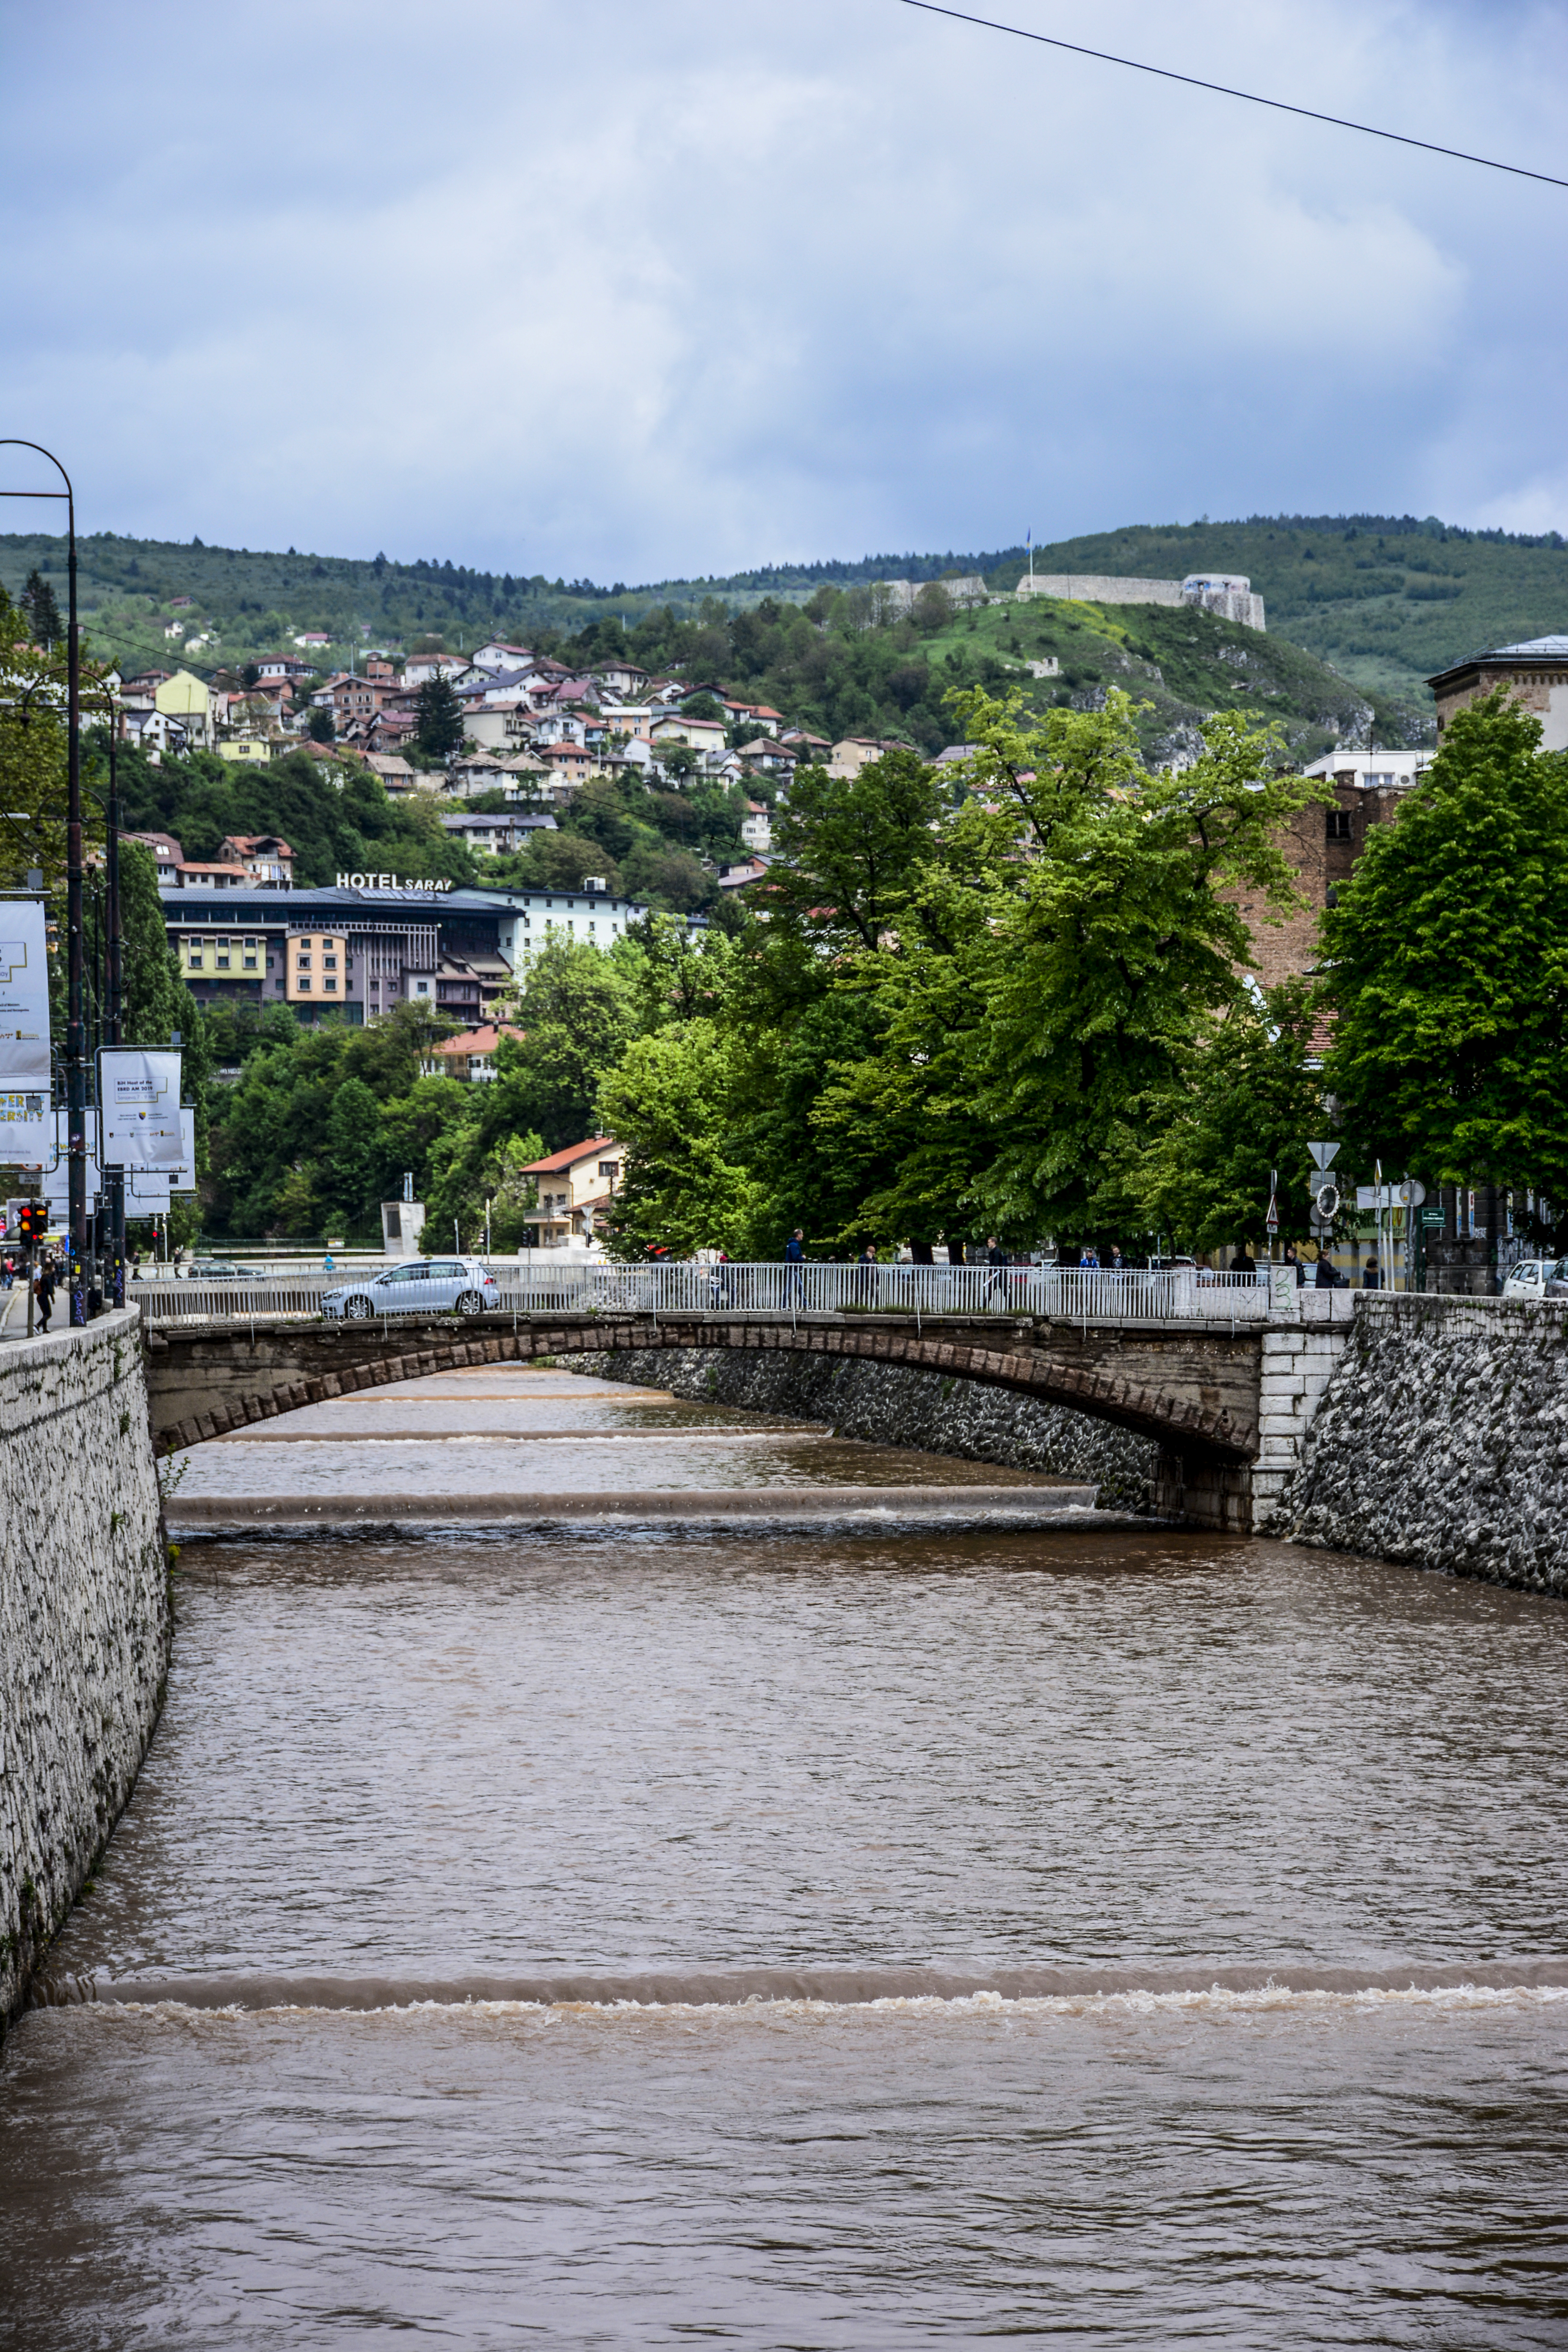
(76, 1033)
(114, 1178)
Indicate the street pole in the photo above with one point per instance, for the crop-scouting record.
(76, 1041)
(114, 1179)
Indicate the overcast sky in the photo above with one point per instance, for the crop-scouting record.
(631, 290)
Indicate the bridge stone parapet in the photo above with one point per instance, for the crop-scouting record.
(1192, 1385)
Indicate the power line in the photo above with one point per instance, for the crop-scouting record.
(1223, 90)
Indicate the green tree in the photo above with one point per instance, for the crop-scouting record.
(666, 1100)
(321, 727)
(1448, 968)
(1246, 1097)
(439, 718)
(1075, 932)
(353, 1173)
(41, 612)
(577, 1013)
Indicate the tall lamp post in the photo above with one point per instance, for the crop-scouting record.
(76, 1036)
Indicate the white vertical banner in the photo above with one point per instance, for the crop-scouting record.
(23, 997)
(138, 1093)
(27, 1129)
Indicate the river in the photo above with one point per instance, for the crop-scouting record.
(801, 1938)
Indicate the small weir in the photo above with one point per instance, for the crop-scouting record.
(614, 1869)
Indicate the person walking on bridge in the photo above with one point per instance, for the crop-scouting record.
(44, 1289)
(795, 1268)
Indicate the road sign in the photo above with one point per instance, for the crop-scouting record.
(1408, 1195)
(1432, 1219)
(1323, 1154)
(1326, 1199)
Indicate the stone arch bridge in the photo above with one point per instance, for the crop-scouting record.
(1195, 1389)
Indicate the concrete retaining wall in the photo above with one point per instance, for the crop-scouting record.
(1442, 1441)
(894, 1404)
(84, 1619)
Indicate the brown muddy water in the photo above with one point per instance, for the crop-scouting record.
(801, 1939)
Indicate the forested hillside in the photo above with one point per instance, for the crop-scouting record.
(1385, 600)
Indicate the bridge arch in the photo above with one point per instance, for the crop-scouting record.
(209, 1380)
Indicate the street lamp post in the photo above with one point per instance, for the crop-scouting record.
(76, 1040)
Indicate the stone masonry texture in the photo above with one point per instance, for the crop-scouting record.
(896, 1404)
(84, 1620)
(1441, 1440)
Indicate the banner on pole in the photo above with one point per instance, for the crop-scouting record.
(27, 1129)
(23, 997)
(139, 1091)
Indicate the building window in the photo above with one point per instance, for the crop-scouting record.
(331, 986)
(329, 963)
(1340, 825)
(304, 988)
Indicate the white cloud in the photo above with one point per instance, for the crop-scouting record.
(633, 292)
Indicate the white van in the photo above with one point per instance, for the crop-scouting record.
(1537, 1277)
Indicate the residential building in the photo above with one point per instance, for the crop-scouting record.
(856, 751)
(575, 1188)
(315, 968)
(757, 826)
(166, 851)
(265, 857)
(471, 1056)
(1535, 672)
(187, 699)
(504, 726)
(568, 763)
(624, 679)
(499, 835)
(677, 727)
(420, 667)
(278, 665)
(495, 656)
(737, 878)
(772, 758)
(213, 873)
(397, 778)
(254, 750)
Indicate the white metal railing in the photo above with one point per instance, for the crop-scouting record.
(550, 1285)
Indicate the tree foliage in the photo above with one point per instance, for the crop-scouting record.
(1447, 966)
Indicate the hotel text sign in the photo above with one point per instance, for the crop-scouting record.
(402, 884)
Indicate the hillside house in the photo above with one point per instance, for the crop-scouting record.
(575, 1188)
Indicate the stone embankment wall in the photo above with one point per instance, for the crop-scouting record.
(895, 1404)
(84, 1619)
(1442, 1441)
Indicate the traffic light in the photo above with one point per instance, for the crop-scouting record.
(33, 1220)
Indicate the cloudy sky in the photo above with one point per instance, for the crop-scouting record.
(631, 290)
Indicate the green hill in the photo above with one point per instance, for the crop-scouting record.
(1384, 601)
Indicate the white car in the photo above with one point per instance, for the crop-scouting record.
(435, 1285)
(1537, 1277)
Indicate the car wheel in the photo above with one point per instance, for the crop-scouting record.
(358, 1309)
(470, 1303)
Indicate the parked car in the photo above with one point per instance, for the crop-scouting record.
(1537, 1277)
(220, 1269)
(419, 1285)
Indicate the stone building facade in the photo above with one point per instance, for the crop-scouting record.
(1535, 672)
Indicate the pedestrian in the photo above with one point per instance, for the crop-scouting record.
(1294, 1262)
(998, 1260)
(1326, 1278)
(1372, 1278)
(1116, 1263)
(869, 1280)
(1089, 1255)
(43, 1290)
(1245, 1264)
(795, 1267)
(327, 1266)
